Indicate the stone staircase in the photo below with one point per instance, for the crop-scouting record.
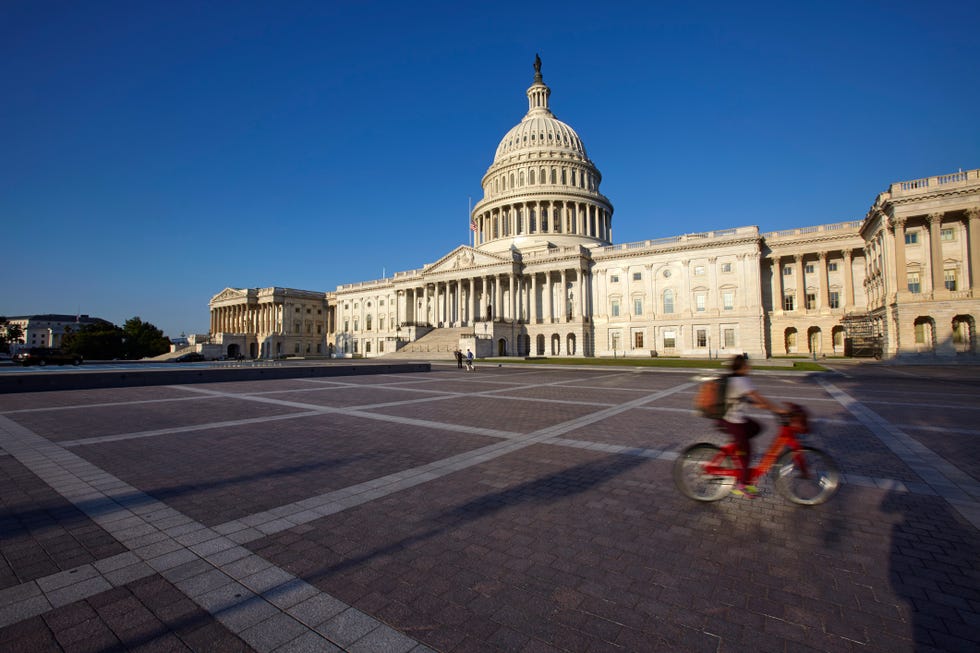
(437, 344)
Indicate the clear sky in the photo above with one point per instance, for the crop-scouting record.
(154, 153)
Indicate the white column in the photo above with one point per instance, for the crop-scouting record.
(533, 312)
(563, 297)
(550, 295)
(935, 221)
(824, 282)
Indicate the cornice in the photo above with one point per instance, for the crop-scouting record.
(687, 246)
(559, 195)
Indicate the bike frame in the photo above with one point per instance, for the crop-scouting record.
(785, 439)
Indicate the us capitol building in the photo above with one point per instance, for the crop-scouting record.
(545, 278)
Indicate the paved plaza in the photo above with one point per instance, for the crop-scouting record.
(508, 509)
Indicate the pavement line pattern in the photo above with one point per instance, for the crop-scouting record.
(261, 603)
(265, 605)
(959, 489)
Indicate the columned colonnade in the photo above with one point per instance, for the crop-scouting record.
(261, 318)
(779, 285)
(531, 297)
(936, 265)
(544, 216)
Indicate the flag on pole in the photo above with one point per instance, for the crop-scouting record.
(472, 219)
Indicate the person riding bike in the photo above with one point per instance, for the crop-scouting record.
(739, 392)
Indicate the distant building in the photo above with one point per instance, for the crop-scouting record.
(48, 330)
(270, 322)
(544, 277)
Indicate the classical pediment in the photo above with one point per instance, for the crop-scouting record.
(465, 257)
(229, 294)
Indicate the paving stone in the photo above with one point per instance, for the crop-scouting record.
(456, 529)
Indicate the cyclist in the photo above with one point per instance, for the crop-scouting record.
(740, 391)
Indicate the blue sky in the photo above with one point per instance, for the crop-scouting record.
(154, 153)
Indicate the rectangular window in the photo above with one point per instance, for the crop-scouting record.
(913, 283)
(698, 270)
(637, 276)
(911, 237)
(614, 278)
(947, 234)
(788, 302)
(811, 301)
(834, 299)
(668, 302)
(699, 301)
(788, 271)
(701, 336)
(637, 307)
(638, 340)
(832, 267)
(726, 267)
(950, 280)
(809, 268)
(728, 299)
(670, 339)
(729, 335)
(615, 308)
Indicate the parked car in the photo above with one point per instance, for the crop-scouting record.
(46, 355)
(190, 357)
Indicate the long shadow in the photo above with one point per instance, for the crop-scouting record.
(14, 521)
(565, 483)
(934, 566)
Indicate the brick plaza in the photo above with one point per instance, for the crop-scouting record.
(511, 509)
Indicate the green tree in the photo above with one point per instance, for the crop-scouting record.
(143, 339)
(106, 341)
(9, 333)
(98, 341)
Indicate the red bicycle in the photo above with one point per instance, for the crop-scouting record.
(804, 475)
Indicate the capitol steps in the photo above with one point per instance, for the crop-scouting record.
(438, 343)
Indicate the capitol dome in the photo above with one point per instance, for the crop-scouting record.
(540, 130)
(541, 191)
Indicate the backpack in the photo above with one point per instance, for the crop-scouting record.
(710, 398)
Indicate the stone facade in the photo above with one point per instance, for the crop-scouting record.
(543, 276)
(49, 329)
(270, 322)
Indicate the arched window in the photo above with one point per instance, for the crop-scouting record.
(789, 338)
(532, 222)
(554, 176)
(544, 220)
(668, 301)
(522, 177)
(564, 177)
(367, 322)
(512, 180)
(530, 178)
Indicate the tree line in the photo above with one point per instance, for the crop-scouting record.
(101, 340)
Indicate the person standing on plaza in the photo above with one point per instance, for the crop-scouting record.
(459, 358)
(740, 392)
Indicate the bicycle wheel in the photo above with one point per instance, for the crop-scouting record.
(819, 483)
(694, 482)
